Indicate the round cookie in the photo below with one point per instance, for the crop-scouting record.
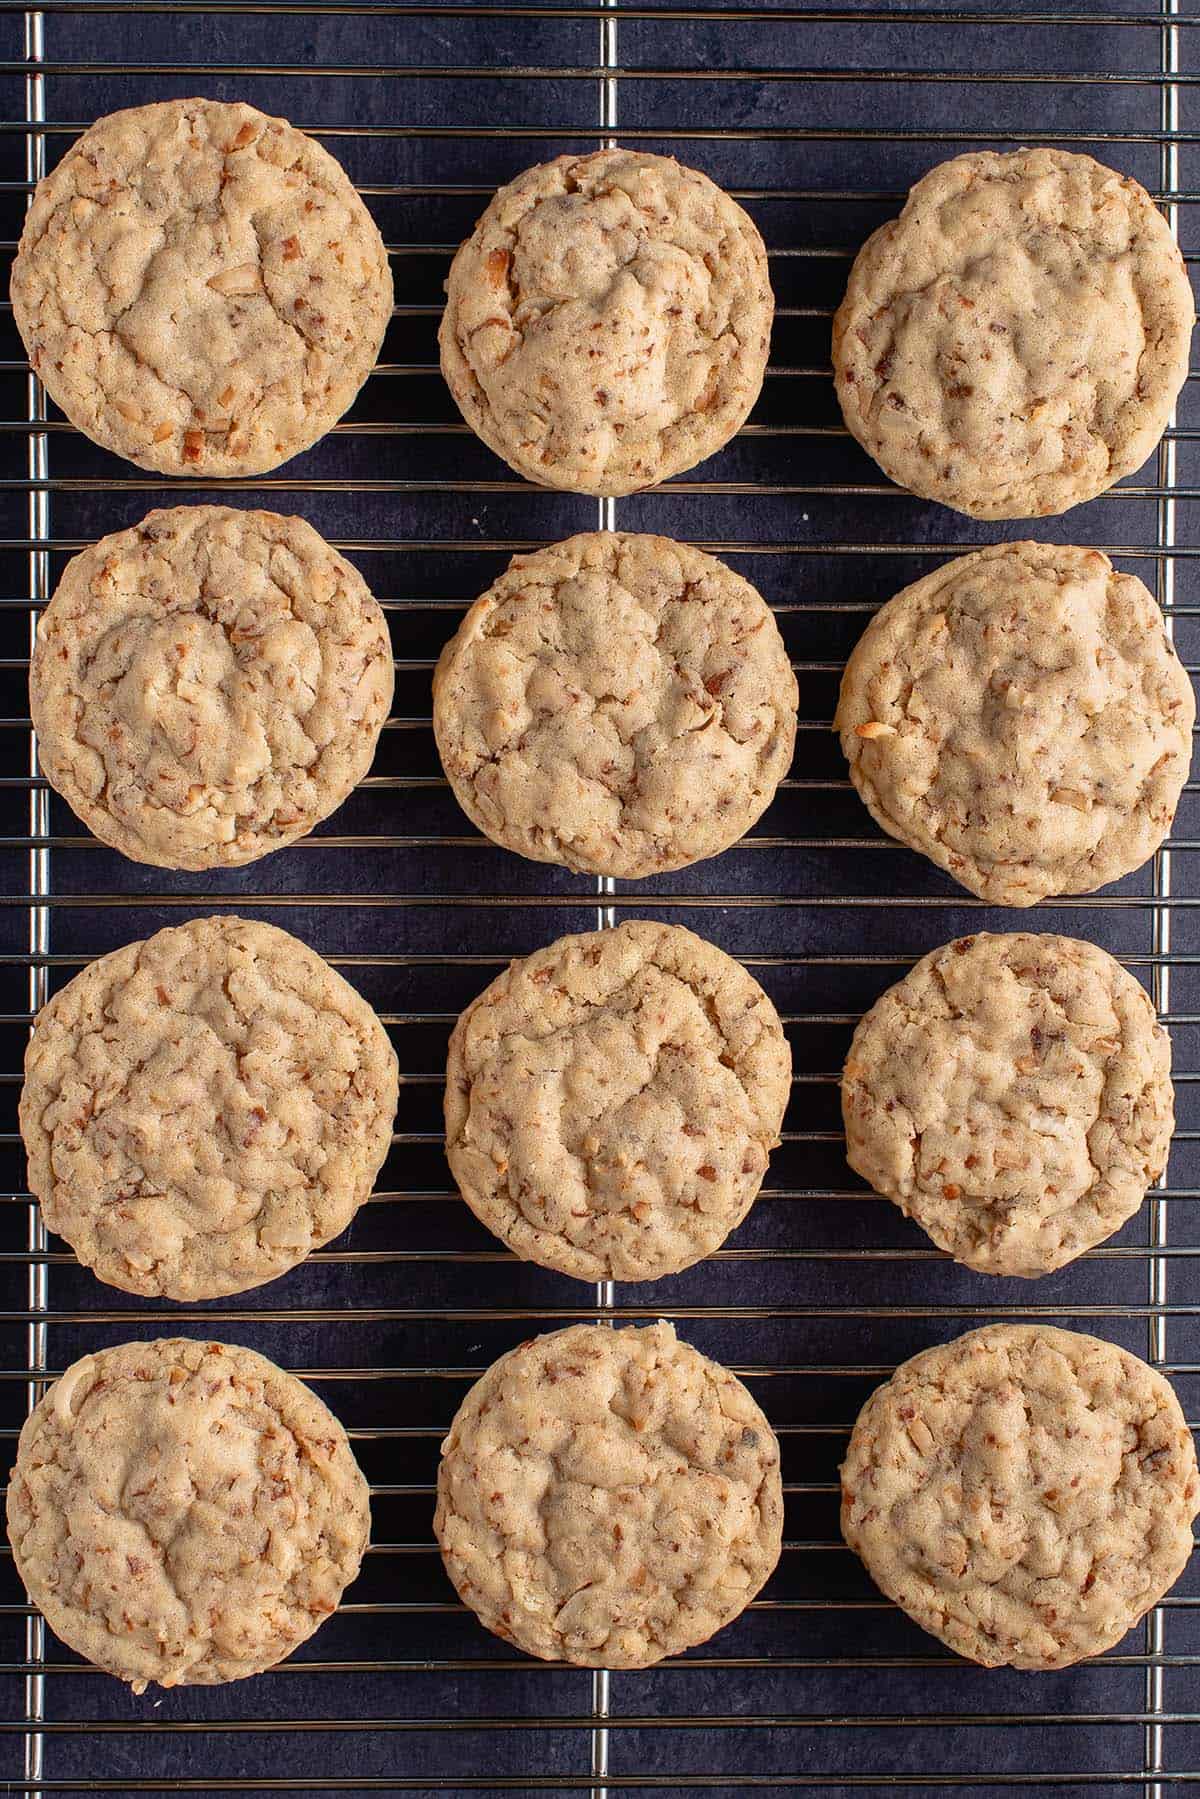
(209, 685)
(1013, 1095)
(1024, 1493)
(203, 1109)
(607, 323)
(1020, 718)
(1014, 342)
(621, 704)
(608, 1497)
(200, 288)
(184, 1512)
(611, 1101)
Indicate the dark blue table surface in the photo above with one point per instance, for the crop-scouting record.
(831, 1694)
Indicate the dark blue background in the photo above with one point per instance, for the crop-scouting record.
(825, 1287)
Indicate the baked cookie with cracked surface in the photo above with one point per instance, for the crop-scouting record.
(1021, 718)
(621, 704)
(1024, 1493)
(209, 685)
(184, 1512)
(200, 288)
(608, 1497)
(1014, 342)
(611, 1101)
(1013, 1095)
(204, 1108)
(608, 321)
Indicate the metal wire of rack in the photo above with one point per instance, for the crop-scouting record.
(824, 114)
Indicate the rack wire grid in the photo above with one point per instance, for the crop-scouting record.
(817, 116)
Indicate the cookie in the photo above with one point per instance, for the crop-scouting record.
(607, 323)
(184, 1512)
(200, 288)
(623, 705)
(608, 1497)
(1013, 1095)
(1020, 718)
(1024, 1493)
(1015, 341)
(611, 1101)
(209, 685)
(202, 1109)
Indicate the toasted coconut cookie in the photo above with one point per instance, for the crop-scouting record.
(1024, 1493)
(209, 685)
(608, 1497)
(203, 1109)
(607, 323)
(1020, 717)
(1014, 342)
(1013, 1095)
(621, 704)
(611, 1101)
(184, 1512)
(200, 288)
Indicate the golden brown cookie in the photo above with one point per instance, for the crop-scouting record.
(209, 685)
(184, 1512)
(608, 1497)
(1024, 1493)
(1013, 1095)
(621, 704)
(200, 287)
(1014, 342)
(203, 1109)
(1020, 717)
(612, 1100)
(607, 323)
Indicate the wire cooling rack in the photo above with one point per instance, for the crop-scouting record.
(818, 117)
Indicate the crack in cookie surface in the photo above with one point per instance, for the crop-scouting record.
(203, 1109)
